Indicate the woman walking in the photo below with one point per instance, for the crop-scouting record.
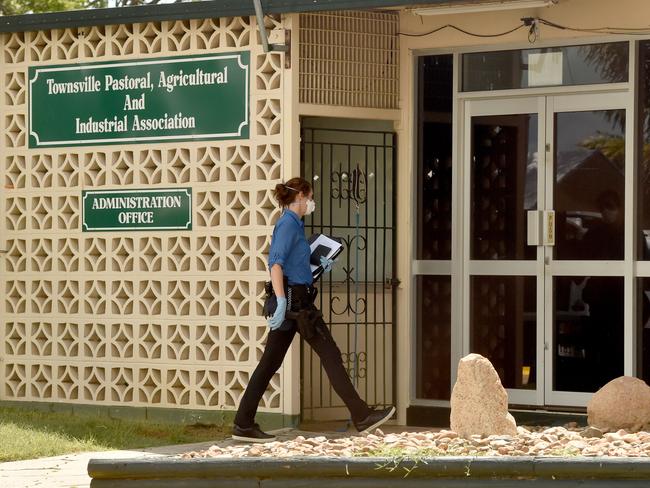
(291, 278)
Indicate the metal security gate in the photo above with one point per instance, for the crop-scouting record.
(353, 174)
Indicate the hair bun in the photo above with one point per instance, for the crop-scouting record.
(286, 193)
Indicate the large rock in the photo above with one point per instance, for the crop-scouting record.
(623, 403)
(479, 403)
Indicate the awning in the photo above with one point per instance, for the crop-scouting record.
(191, 10)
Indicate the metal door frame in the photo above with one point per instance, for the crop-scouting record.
(505, 106)
(554, 268)
(545, 268)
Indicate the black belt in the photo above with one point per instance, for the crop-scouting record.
(299, 297)
(300, 308)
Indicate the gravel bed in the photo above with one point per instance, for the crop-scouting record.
(530, 441)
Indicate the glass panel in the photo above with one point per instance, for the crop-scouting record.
(433, 337)
(504, 185)
(587, 332)
(434, 157)
(589, 185)
(571, 65)
(643, 173)
(643, 329)
(503, 321)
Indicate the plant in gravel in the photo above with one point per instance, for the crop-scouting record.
(409, 458)
(460, 450)
(399, 456)
(401, 452)
(564, 452)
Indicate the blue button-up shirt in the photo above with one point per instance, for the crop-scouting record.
(290, 249)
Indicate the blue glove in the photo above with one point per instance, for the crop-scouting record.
(326, 263)
(275, 321)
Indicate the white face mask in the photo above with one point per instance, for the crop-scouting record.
(311, 206)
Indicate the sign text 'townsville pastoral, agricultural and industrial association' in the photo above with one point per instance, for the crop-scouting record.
(153, 100)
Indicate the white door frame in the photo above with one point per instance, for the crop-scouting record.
(544, 267)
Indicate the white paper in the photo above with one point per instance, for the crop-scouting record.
(545, 69)
(331, 244)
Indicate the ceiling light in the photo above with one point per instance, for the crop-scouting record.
(493, 6)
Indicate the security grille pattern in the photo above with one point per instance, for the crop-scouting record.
(355, 193)
(350, 59)
(166, 319)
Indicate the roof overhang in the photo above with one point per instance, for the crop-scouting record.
(192, 10)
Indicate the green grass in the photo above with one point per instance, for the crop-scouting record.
(564, 452)
(402, 454)
(26, 434)
(406, 460)
(403, 460)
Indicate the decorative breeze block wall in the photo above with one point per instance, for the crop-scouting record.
(170, 319)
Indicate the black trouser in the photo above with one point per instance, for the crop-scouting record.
(277, 344)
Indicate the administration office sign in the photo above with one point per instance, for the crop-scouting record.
(159, 209)
(143, 101)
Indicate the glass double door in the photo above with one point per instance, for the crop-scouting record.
(544, 242)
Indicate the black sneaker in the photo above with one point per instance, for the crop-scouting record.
(375, 419)
(252, 434)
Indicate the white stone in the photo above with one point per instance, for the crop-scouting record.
(623, 403)
(479, 403)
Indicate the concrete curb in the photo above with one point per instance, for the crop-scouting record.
(315, 472)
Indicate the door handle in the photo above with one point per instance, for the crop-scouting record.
(549, 228)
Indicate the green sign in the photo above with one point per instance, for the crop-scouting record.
(159, 100)
(159, 209)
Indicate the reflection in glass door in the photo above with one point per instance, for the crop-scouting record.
(504, 276)
(545, 227)
(584, 279)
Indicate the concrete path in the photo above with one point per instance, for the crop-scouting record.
(70, 470)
